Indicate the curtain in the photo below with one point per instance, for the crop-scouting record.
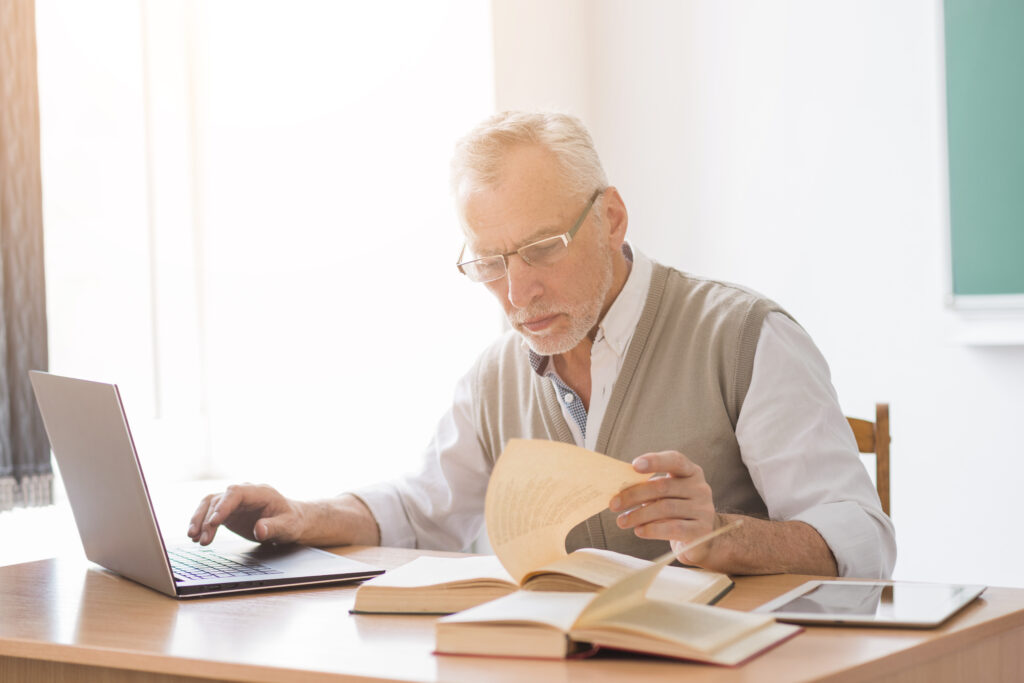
(26, 476)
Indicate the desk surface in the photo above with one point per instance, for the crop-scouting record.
(69, 615)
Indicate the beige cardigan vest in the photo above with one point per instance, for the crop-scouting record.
(682, 384)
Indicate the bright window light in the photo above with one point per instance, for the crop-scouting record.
(249, 229)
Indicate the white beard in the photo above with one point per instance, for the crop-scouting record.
(583, 317)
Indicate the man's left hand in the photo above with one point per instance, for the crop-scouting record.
(675, 505)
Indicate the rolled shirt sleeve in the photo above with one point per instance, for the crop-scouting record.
(793, 437)
(802, 456)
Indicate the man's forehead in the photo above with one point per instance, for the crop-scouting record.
(494, 221)
(527, 200)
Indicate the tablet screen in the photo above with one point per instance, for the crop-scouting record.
(873, 602)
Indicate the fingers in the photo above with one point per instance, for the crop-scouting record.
(218, 508)
(196, 523)
(681, 478)
(672, 529)
(279, 528)
(199, 529)
(208, 528)
(263, 531)
(670, 462)
(239, 506)
(206, 519)
(692, 510)
(674, 509)
(674, 505)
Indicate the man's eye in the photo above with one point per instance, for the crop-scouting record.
(544, 250)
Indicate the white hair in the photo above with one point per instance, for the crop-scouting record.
(479, 156)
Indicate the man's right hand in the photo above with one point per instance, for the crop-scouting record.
(256, 512)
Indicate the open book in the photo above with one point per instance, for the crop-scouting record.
(622, 616)
(538, 491)
(530, 507)
(442, 585)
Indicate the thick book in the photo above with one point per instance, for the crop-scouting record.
(623, 616)
(545, 602)
(442, 585)
(538, 491)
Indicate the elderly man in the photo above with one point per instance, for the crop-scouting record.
(711, 387)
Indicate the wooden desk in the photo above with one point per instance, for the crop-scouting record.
(67, 620)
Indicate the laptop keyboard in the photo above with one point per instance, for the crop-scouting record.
(204, 563)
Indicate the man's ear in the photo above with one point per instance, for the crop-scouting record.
(615, 217)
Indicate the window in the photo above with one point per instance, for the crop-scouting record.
(248, 227)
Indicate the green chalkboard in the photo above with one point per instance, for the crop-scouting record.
(985, 114)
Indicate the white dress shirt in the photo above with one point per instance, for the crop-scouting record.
(792, 434)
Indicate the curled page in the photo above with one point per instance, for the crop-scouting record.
(539, 491)
(630, 591)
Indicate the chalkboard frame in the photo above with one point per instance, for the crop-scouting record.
(983, 150)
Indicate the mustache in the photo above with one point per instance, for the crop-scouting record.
(522, 316)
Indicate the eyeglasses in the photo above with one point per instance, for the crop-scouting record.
(543, 252)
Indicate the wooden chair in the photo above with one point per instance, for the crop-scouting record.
(873, 437)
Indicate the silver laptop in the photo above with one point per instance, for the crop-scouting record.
(93, 445)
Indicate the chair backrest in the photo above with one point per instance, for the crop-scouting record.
(873, 437)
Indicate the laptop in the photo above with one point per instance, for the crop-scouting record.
(93, 444)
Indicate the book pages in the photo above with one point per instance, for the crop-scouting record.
(630, 591)
(703, 628)
(539, 490)
(595, 565)
(426, 571)
(591, 569)
(624, 594)
(558, 610)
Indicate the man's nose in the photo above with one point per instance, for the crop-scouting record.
(524, 286)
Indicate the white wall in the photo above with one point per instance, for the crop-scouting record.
(335, 323)
(798, 148)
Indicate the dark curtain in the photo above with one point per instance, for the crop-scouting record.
(26, 476)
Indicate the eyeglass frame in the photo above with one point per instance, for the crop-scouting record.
(566, 238)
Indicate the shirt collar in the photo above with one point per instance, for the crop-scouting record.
(618, 325)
